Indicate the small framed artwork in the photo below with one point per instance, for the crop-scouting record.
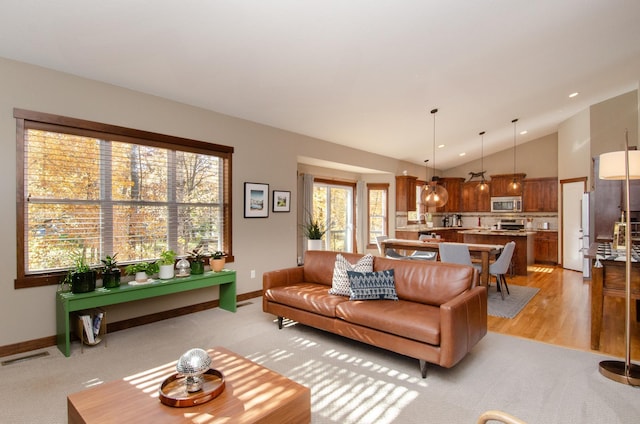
(281, 201)
(619, 236)
(256, 200)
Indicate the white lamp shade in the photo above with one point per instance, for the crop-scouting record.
(612, 165)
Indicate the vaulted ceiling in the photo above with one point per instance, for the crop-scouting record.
(362, 73)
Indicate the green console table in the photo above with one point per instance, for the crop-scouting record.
(67, 302)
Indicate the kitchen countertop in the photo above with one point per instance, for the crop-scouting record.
(424, 228)
(499, 232)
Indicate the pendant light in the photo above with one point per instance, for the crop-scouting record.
(434, 194)
(514, 187)
(483, 186)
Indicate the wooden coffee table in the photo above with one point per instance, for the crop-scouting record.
(252, 394)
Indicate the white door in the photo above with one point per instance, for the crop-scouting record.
(572, 256)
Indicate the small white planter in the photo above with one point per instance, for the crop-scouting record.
(166, 272)
(314, 245)
(141, 277)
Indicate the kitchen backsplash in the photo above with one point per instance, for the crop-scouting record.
(488, 220)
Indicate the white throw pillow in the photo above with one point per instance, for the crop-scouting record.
(340, 283)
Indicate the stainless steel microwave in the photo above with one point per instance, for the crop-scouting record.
(506, 204)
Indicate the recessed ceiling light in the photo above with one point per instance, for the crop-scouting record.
(440, 146)
(462, 154)
(572, 95)
(523, 132)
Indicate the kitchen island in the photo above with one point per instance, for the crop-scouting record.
(523, 255)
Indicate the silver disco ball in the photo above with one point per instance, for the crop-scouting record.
(192, 364)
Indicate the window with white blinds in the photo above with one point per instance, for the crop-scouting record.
(98, 190)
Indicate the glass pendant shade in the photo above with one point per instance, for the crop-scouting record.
(514, 187)
(483, 186)
(434, 194)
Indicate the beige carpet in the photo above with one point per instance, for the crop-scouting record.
(350, 382)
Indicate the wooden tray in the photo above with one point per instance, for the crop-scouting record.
(173, 391)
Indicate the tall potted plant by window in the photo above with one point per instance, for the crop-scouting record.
(166, 264)
(110, 272)
(314, 230)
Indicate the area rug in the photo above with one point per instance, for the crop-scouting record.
(512, 304)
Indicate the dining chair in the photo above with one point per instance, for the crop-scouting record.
(500, 267)
(389, 253)
(424, 255)
(457, 253)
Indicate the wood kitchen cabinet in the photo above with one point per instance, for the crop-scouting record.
(406, 193)
(540, 195)
(474, 200)
(545, 247)
(454, 188)
(500, 185)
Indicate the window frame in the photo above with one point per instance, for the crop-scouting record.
(26, 119)
(378, 187)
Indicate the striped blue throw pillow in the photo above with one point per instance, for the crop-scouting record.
(372, 285)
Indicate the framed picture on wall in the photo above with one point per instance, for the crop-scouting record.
(256, 200)
(281, 201)
(620, 236)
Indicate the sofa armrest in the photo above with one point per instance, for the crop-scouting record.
(282, 277)
(463, 322)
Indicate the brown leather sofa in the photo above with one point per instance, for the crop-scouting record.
(440, 315)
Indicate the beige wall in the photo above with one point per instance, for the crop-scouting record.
(537, 158)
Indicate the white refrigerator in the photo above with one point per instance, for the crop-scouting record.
(585, 233)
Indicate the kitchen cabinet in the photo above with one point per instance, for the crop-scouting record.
(407, 235)
(454, 188)
(474, 200)
(545, 247)
(406, 193)
(540, 195)
(500, 185)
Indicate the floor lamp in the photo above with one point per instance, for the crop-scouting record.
(623, 165)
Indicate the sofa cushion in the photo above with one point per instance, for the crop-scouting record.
(340, 284)
(407, 319)
(429, 282)
(310, 297)
(319, 264)
(372, 285)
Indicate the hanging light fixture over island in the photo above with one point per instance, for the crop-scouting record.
(434, 194)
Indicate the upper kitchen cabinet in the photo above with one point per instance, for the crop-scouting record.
(540, 195)
(454, 188)
(474, 200)
(406, 193)
(500, 185)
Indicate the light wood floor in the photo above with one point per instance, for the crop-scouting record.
(560, 313)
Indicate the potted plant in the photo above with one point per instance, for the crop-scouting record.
(196, 257)
(80, 277)
(314, 230)
(166, 264)
(142, 270)
(217, 261)
(110, 272)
